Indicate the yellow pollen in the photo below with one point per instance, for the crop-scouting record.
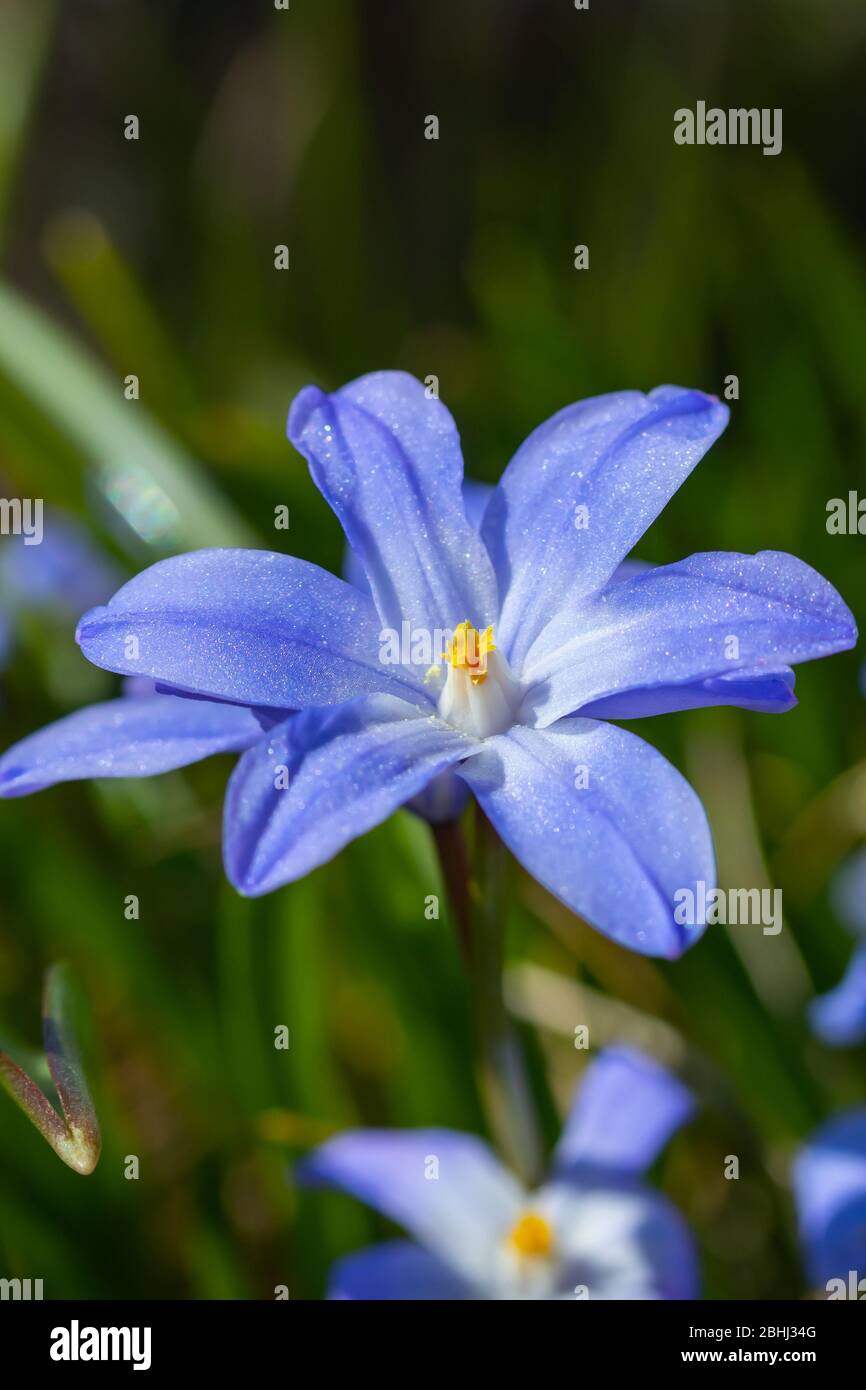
(531, 1236)
(468, 651)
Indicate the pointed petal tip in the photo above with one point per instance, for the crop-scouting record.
(13, 783)
(87, 622)
(684, 941)
(626, 1110)
(852, 634)
(691, 398)
(237, 866)
(306, 401)
(246, 884)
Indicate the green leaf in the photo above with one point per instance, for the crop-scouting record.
(75, 1138)
(158, 491)
(24, 29)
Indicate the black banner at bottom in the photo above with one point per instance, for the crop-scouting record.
(157, 1338)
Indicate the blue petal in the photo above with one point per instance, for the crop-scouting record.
(701, 619)
(669, 1250)
(447, 1189)
(838, 1018)
(446, 796)
(354, 572)
(830, 1191)
(620, 1242)
(396, 1270)
(627, 1108)
(324, 777)
(622, 457)
(848, 893)
(604, 823)
(630, 568)
(136, 736)
(387, 459)
(245, 625)
(475, 499)
(267, 715)
(769, 693)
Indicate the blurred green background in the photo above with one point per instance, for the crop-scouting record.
(453, 257)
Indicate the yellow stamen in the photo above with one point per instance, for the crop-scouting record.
(531, 1236)
(468, 651)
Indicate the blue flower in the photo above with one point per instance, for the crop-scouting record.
(838, 1018)
(830, 1193)
(594, 1229)
(537, 640)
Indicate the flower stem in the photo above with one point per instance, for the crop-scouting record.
(454, 863)
(479, 905)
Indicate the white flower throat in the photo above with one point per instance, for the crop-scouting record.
(527, 1266)
(480, 696)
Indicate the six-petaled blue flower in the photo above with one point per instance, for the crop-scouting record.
(548, 640)
(592, 1230)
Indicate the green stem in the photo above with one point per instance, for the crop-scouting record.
(454, 863)
(479, 905)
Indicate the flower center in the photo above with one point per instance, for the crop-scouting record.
(531, 1236)
(479, 696)
(468, 651)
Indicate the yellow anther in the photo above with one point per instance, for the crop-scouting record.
(531, 1236)
(468, 651)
